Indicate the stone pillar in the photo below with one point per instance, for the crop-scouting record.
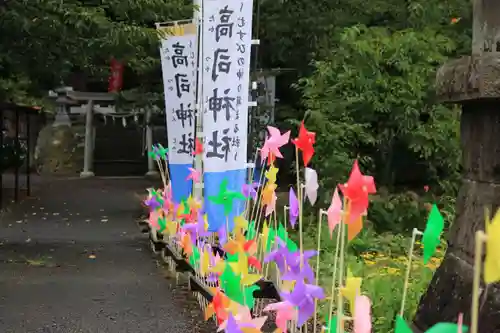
(89, 142)
(473, 82)
(152, 172)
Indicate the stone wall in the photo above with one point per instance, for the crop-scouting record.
(60, 149)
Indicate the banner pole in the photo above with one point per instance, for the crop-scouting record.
(197, 17)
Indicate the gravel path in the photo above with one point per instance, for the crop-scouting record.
(72, 260)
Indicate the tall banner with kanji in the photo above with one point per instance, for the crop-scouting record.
(178, 61)
(227, 39)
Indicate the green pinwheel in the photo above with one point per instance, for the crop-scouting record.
(283, 234)
(432, 233)
(403, 327)
(231, 284)
(162, 152)
(153, 153)
(162, 222)
(226, 197)
(158, 152)
(331, 326)
(251, 231)
(194, 258)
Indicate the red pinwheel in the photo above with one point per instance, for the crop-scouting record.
(305, 142)
(357, 189)
(198, 147)
(255, 263)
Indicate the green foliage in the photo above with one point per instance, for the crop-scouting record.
(371, 99)
(44, 42)
(397, 212)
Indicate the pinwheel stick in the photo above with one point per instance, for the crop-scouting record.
(478, 254)
(259, 194)
(340, 300)
(251, 172)
(334, 275)
(320, 219)
(285, 210)
(408, 269)
(228, 235)
(163, 172)
(299, 195)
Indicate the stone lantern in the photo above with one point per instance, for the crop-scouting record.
(474, 83)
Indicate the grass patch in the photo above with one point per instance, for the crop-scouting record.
(381, 260)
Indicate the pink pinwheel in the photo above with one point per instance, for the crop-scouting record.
(271, 205)
(302, 297)
(250, 190)
(293, 203)
(311, 180)
(168, 205)
(362, 315)
(284, 312)
(460, 323)
(296, 271)
(273, 143)
(195, 175)
(244, 319)
(153, 219)
(334, 212)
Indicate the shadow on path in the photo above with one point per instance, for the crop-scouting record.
(72, 260)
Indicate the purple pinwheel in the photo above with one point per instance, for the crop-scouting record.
(152, 203)
(279, 255)
(299, 272)
(212, 277)
(302, 297)
(154, 200)
(293, 202)
(250, 190)
(232, 325)
(222, 233)
(196, 230)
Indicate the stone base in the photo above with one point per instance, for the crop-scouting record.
(450, 293)
(86, 174)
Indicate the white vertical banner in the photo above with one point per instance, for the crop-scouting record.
(227, 43)
(178, 62)
(227, 38)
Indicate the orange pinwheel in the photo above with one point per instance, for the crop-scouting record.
(240, 244)
(186, 244)
(218, 306)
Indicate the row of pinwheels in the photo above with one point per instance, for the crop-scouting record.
(258, 241)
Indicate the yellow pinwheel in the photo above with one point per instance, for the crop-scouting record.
(492, 259)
